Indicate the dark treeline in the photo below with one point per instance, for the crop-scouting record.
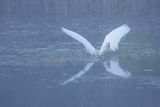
(100, 8)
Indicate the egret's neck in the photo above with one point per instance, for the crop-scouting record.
(96, 53)
(101, 56)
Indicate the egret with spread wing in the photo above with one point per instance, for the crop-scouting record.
(111, 40)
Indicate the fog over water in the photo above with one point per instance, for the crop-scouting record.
(40, 66)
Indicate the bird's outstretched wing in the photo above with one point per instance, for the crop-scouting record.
(79, 74)
(114, 38)
(81, 39)
(115, 69)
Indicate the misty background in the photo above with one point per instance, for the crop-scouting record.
(79, 8)
(36, 56)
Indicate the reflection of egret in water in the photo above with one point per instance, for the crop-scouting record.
(115, 69)
(79, 74)
(112, 66)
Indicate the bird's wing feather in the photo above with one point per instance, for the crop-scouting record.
(81, 39)
(114, 38)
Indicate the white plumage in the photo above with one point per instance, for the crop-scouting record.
(81, 39)
(111, 40)
(114, 37)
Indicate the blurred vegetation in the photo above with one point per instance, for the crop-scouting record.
(99, 8)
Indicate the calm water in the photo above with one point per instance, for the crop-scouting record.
(42, 67)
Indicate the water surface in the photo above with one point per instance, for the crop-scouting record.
(36, 58)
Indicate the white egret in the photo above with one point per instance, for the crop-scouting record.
(111, 40)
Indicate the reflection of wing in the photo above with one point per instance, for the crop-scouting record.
(116, 69)
(114, 38)
(81, 39)
(79, 74)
